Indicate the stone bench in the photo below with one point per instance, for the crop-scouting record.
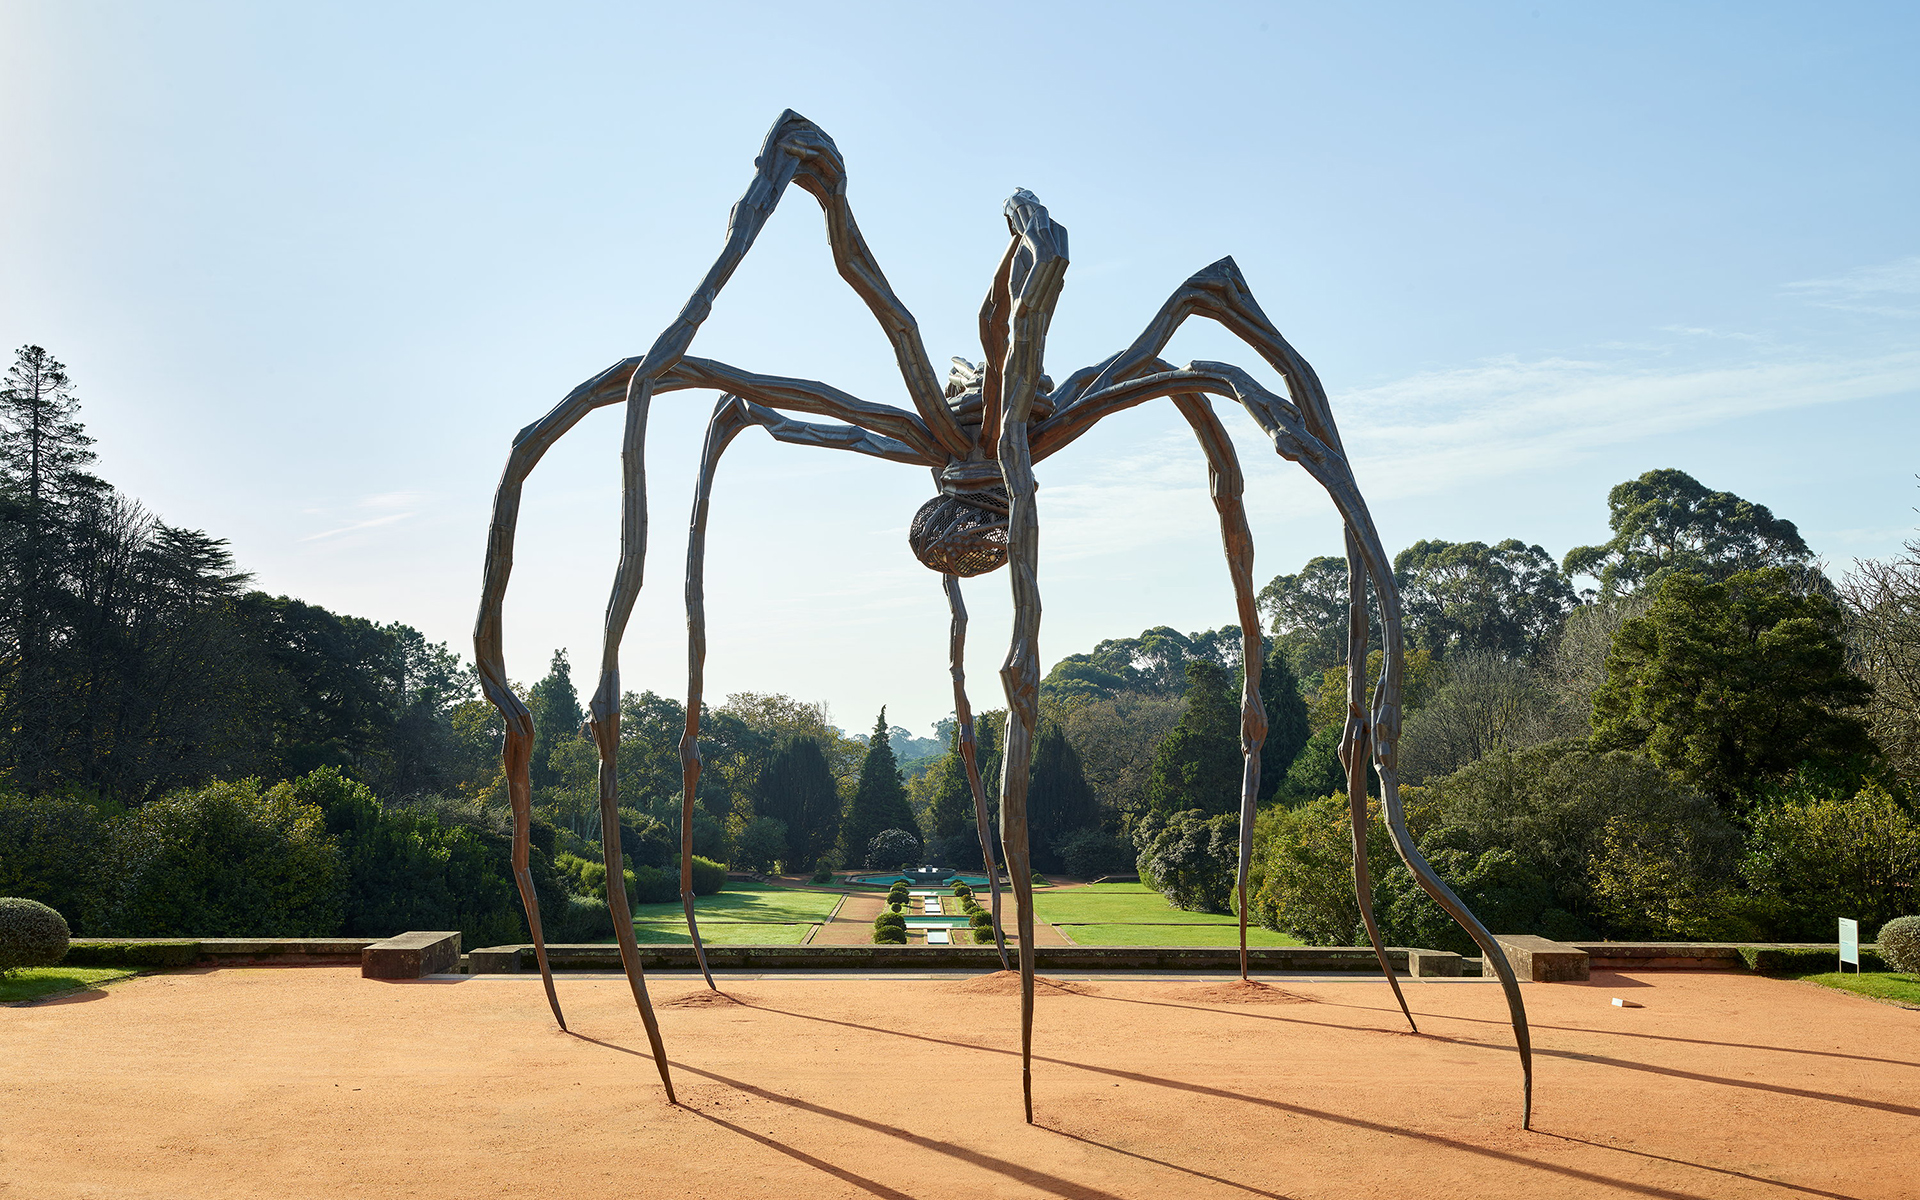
(1543, 961)
(411, 955)
(1433, 964)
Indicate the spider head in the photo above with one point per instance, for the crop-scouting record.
(963, 530)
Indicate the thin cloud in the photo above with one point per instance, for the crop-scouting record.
(409, 501)
(1888, 290)
(370, 523)
(1445, 430)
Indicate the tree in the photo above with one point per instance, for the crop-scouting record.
(1578, 664)
(1287, 730)
(1191, 858)
(761, 842)
(1508, 599)
(43, 453)
(796, 788)
(949, 794)
(1152, 664)
(1666, 521)
(1199, 765)
(1731, 684)
(1117, 738)
(1882, 602)
(1814, 858)
(892, 848)
(880, 802)
(1420, 675)
(1308, 612)
(50, 852)
(1059, 802)
(1487, 704)
(557, 716)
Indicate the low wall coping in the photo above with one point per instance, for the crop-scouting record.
(606, 956)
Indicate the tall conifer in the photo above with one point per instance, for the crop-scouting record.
(880, 803)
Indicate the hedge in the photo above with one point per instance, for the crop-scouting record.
(1807, 961)
(173, 953)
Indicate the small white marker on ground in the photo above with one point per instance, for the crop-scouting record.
(1619, 1003)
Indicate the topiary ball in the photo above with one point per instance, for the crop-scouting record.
(980, 919)
(1900, 944)
(31, 934)
(982, 935)
(890, 935)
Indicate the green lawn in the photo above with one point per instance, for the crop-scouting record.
(722, 933)
(1879, 985)
(1173, 935)
(1135, 904)
(27, 983)
(746, 901)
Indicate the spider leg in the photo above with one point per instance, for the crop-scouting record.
(731, 416)
(1355, 751)
(1227, 485)
(969, 752)
(1037, 270)
(795, 151)
(1302, 433)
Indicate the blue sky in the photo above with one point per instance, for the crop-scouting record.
(312, 267)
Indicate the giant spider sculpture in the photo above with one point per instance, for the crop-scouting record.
(980, 436)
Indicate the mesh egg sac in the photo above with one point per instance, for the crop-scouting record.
(954, 537)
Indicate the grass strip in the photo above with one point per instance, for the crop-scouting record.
(1089, 907)
(723, 934)
(750, 902)
(1875, 984)
(31, 983)
(1136, 934)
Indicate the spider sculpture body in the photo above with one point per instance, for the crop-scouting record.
(979, 436)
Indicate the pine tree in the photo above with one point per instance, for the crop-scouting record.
(880, 802)
(43, 453)
(1199, 765)
(556, 717)
(1287, 729)
(796, 786)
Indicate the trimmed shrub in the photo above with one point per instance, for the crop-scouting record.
(584, 919)
(1900, 944)
(83, 953)
(982, 935)
(980, 918)
(708, 876)
(823, 871)
(890, 935)
(962, 890)
(225, 860)
(31, 934)
(890, 918)
(1805, 960)
(652, 885)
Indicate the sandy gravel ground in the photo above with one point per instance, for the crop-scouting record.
(316, 1083)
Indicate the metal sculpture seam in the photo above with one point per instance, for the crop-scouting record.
(980, 436)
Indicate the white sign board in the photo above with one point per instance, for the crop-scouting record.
(1850, 942)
